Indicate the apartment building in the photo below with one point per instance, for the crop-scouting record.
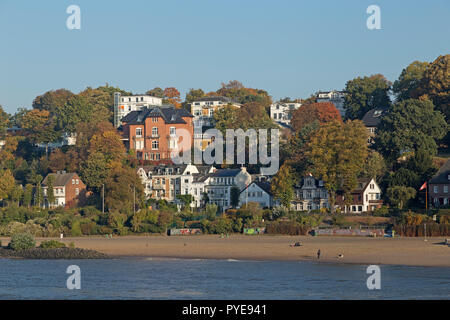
(203, 111)
(155, 132)
(123, 105)
(336, 97)
(282, 112)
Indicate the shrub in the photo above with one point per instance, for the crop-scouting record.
(21, 241)
(52, 244)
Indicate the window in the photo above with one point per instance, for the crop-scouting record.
(154, 119)
(154, 131)
(435, 189)
(77, 191)
(77, 181)
(73, 181)
(172, 131)
(155, 144)
(139, 145)
(138, 132)
(157, 156)
(446, 189)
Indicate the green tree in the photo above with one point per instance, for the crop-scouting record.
(338, 152)
(4, 122)
(52, 101)
(194, 94)
(234, 196)
(408, 84)
(410, 125)
(156, 92)
(27, 195)
(282, 186)
(364, 94)
(399, 195)
(7, 184)
(95, 170)
(50, 191)
(374, 166)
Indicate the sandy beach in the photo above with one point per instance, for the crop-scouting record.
(361, 250)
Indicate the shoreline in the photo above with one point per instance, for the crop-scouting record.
(355, 250)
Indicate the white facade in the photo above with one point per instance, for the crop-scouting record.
(336, 97)
(221, 182)
(123, 105)
(282, 112)
(256, 193)
(310, 194)
(60, 197)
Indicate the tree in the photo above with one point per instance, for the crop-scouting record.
(375, 166)
(399, 195)
(364, 94)
(237, 92)
(109, 144)
(156, 92)
(408, 84)
(52, 101)
(186, 199)
(172, 96)
(321, 111)
(4, 122)
(95, 170)
(50, 191)
(211, 211)
(194, 94)
(234, 196)
(410, 125)
(7, 184)
(39, 126)
(282, 186)
(435, 84)
(27, 195)
(337, 152)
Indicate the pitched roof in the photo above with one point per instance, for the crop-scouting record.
(373, 117)
(215, 98)
(169, 113)
(442, 175)
(226, 172)
(60, 179)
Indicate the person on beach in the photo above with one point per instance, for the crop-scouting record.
(318, 254)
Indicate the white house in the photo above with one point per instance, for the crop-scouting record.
(259, 192)
(310, 194)
(336, 97)
(123, 105)
(282, 112)
(221, 182)
(365, 197)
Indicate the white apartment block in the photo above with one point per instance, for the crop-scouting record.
(310, 194)
(203, 111)
(336, 97)
(123, 105)
(282, 112)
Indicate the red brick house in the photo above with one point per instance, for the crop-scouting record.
(439, 186)
(154, 132)
(68, 189)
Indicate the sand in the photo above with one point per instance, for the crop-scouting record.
(360, 250)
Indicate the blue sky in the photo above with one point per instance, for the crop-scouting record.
(287, 47)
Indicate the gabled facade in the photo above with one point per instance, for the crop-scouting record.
(366, 197)
(439, 185)
(68, 190)
(154, 133)
(221, 182)
(310, 194)
(258, 192)
(371, 121)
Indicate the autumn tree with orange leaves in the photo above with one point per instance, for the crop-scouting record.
(322, 112)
